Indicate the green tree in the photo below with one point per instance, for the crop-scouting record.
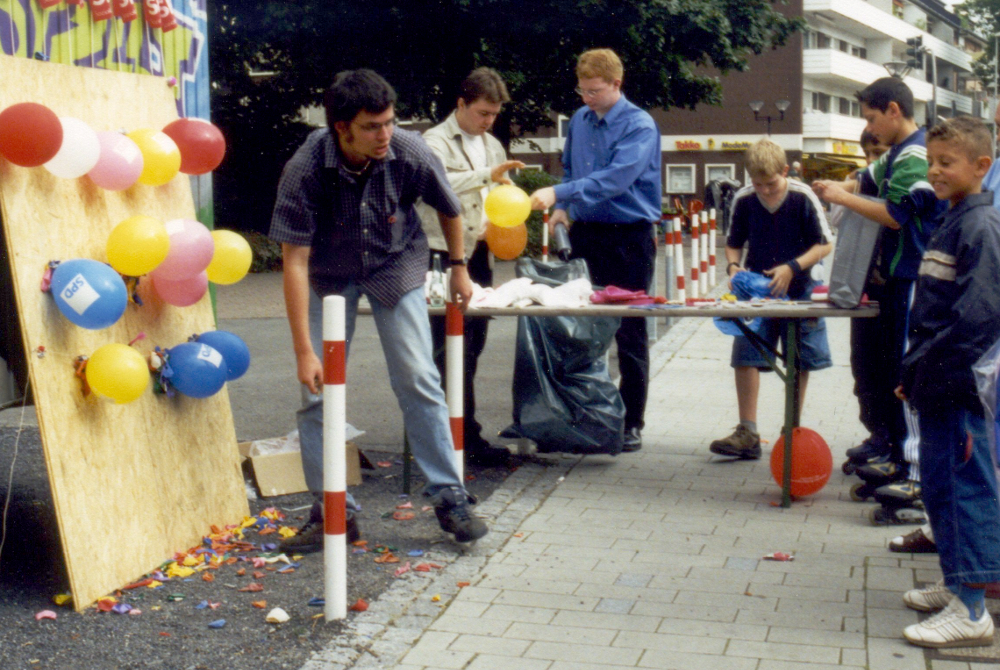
(673, 51)
(983, 16)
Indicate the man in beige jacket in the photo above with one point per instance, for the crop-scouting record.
(473, 160)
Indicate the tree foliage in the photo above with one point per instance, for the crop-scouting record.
(983, 16)
(672, 51)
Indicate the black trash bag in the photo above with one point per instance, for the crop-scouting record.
(564, 399)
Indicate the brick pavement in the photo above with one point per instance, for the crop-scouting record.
(652, 559)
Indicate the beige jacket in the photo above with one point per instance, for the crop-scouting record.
(446, 140)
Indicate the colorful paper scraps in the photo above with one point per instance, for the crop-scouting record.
(218, 623)
(359, 606)
(252, 587)
(62, 599)
(402, 570)
(259, 604)
(45, 614)
(277, 615)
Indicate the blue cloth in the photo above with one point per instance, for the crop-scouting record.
(991, 182)
(745, 286)
(961, 495)
(361, 228)
(405, 333)
(611, 166)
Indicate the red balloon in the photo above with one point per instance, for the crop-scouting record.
(812, 461)
(30, 134)
(201, 143)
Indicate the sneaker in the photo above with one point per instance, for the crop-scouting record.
(480, 452)
(929, 599)
(309, 538)
(952, 627)
(868, 450)
(633, 440)
(455, 516)
(743, 443)
(916, 542)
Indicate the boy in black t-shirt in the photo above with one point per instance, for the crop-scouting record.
(785, 230)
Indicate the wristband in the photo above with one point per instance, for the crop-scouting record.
(453, 262)
(794, 264)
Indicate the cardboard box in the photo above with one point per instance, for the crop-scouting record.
(281, 473)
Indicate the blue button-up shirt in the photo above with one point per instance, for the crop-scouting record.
(362, 229)
(611, 166)
(991, 182)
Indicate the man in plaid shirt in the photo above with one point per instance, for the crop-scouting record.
(346, 222)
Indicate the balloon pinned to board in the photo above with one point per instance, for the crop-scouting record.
(234, 350)
(30, 134)
(506, 243)
(138, 245)
(191, 249)
(88, 293)
(201, 144)
(119, 164)
(194, 369)
(507, 206)
(160, 156)
(117, 371)
(182, 292)
(231, 259)
(79, 151)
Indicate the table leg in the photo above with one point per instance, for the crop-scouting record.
(792, 409)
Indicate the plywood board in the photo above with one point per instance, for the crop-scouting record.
(132, 483)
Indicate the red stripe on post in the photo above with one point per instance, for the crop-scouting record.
(334, 362)
(335, 512)
(458, 432)
(453, 320)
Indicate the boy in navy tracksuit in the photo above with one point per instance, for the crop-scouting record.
(954, 319)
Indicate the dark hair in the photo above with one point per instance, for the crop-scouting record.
(881, 92)
(356, 90)
(483, 82)
(867, 139)
(967, 133)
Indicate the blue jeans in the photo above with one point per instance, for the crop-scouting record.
(960, 494)
(404, 331)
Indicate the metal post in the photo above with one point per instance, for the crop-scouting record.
(334, 458)
(453, 370)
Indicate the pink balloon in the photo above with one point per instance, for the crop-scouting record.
(183, 293)
(120, 163)
(191, 249)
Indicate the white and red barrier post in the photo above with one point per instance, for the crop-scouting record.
(334, 458)
(679, 259)
(453, 366)
(695, 255)
(712, 249)
(545, 235)
(704, 253)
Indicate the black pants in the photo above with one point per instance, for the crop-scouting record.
(876, 353)
(475, 339)
(622, 255)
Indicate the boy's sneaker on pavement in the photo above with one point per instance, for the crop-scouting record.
(743, 443)
(952, 627)
(455, 515)
(309, 539)
(928, 599)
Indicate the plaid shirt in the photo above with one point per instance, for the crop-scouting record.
(361, 229)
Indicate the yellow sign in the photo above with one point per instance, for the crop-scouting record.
(735, 146)
(687, 145)
(846, 149)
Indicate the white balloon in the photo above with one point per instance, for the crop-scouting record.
(79, 152)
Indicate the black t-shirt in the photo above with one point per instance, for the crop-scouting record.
(779, 237)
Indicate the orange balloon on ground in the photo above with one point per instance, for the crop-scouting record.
(812, 461)
(506, 243)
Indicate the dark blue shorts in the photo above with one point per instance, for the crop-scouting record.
(814, 350)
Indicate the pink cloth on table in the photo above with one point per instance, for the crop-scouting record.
(612, 295)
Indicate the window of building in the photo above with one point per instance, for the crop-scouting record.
(843, 46)
(680, 179)
(859, 52)
(715, 171)
(844, 106)
(822, 40)
(855, 108)
(821, 102)
(563, 126)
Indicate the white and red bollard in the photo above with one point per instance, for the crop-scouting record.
(334, 458)
(703, 265)
(453, 370)
(545, 236)
(695, 255)
(712, 277)
(678, 245)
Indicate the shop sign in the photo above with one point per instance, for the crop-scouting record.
(735, 146)
(687, 145)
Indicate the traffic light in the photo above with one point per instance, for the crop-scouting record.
(915, 52)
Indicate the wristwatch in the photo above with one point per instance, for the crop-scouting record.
(460, 261)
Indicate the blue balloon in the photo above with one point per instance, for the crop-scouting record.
(88, 293)
(233, 349)
(195, 369)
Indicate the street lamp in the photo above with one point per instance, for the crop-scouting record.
(896, 68)
(758, 105)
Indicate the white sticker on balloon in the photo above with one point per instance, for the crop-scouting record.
(174, 226)
(211, 355)
(79, 294)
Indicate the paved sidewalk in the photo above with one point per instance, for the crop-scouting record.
(652, 559)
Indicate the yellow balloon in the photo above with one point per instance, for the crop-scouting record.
(137, 245)
(507, 206)
(117, 371)
(231, 259)
(160, 155)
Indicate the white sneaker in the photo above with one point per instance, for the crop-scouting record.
(929, 599)
(952, 627)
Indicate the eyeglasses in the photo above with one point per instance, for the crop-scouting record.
(589, 92)
(374, 127)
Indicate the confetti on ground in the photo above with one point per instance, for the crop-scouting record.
(387, 557)
(277, 615)
(252, 587)
(402, 570)
(259, 604)
(462, 585)
(403, 516)
(415, 552)
(218, 623)
(359, 606)
(62, 599)
(435, 599)
(45, 614)
(317, 602)
(384, 464)
(427, 567)
(778, 556)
